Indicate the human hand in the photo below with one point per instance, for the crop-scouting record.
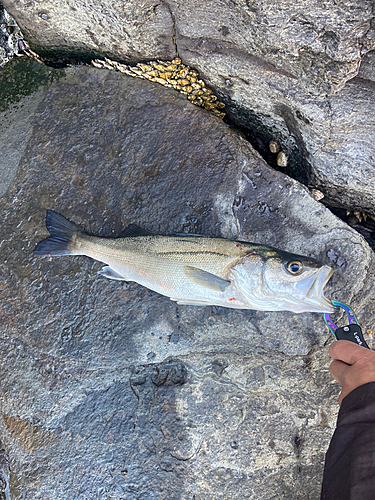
(352, 366)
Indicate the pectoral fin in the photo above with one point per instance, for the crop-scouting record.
(110, 273)
(205, 279)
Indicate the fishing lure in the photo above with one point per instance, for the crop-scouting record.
(351, 332)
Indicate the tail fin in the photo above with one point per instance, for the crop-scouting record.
(61, 231)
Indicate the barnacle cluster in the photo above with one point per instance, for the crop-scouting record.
(358, 216)
(172, 74)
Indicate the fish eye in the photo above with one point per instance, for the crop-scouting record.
(294, 267)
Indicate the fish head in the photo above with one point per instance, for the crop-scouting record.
(273, 280)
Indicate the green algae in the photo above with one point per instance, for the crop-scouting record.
(22, 77)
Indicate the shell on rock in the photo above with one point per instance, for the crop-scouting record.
(318, 195)
(273, 147)
(282, 159)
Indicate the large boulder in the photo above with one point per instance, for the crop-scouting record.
(109, 390)
(289, 70)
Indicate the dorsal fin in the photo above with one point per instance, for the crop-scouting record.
(133, 230)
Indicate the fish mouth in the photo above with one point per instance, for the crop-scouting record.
(313, 290)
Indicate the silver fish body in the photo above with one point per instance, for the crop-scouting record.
(198, 270)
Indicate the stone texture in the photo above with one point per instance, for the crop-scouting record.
(281, 67)
(109, 390)
(367, 68)
(9, 33)
(23, 86)
(90, 27)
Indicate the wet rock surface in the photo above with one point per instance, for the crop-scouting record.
(282, 68)
(109, 390)
(23, 85)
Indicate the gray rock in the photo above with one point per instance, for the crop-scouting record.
(89, 27)
(109, 390)
(9, 35)
(367, 69)
(281, 67)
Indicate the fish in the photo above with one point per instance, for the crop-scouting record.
(198, 270)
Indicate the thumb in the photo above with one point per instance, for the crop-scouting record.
(339, 370)
(346, 351)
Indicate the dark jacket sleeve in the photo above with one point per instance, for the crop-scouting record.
(349, 472)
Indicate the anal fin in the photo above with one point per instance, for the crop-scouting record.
(111, 274)
(192, 302)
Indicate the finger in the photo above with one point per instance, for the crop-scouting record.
(338, 370)
(346, 351)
